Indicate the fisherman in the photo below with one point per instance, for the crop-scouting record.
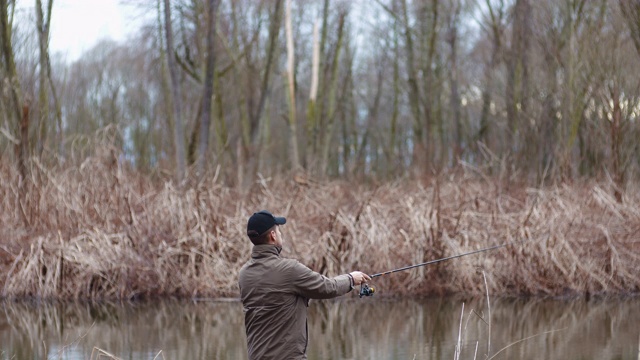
(275, 293)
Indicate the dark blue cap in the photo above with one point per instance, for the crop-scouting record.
(262, 221)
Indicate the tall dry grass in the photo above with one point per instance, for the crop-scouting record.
(99, 230)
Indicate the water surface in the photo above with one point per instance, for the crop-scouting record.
(349, 328)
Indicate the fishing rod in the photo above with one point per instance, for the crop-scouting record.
(366, 290)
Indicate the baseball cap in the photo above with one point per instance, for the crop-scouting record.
(262, 221)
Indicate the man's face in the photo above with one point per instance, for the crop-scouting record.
(279, 240)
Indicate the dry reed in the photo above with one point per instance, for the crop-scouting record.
(100, 230)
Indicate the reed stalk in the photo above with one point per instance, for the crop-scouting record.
(100, 230)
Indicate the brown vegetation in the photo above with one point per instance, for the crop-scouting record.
(99, 230)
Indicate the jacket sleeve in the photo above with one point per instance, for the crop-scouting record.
(313, 285)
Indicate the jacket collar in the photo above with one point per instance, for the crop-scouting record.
(265, 250)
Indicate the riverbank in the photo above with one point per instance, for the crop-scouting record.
(99, 231)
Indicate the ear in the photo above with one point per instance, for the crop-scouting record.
(272, 236)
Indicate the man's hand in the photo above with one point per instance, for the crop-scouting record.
(359, 277)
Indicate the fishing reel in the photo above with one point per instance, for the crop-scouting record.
(366, 290)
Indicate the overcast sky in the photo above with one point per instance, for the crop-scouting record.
(76, 25)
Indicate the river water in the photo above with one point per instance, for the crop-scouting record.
(349, 328)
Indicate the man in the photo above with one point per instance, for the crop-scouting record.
(275, 293)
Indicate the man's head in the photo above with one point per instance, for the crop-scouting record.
(262, 228)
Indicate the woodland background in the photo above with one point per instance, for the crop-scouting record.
(378, 127)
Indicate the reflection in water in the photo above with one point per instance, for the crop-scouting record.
(350, 328)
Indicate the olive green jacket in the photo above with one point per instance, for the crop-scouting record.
(275, 294)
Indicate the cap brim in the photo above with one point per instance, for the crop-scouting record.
(280, 220)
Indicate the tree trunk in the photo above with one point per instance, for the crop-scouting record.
(207, 91)
(167, 107)
(453, 77)
(242, 147)
(393, 153)
(430, 33)
(222, 134)
(484, 132)
(315, 122)
(311, 129)
(9, 63)
(616, 140)
(274, 31)
(295, 157)
(372, 121)
(175, 95)
(328, 133)
(517, 77)
(252, 150)
(42, 25)
(46, 81)
(414, 95)
(23, 146)
(631, 12)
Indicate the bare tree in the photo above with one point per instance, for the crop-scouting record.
(452, 39)
(414, 92)
(21, 110)
(8, 59)
(316, 109)
(495, 33)
(311, 128)
(175, 94)
(207, 92)
(541, 83)
(45, 81)
(631, 12)
(518, 70)
(328, 130)
(293, 136)
(274, 31)
(429, 19)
